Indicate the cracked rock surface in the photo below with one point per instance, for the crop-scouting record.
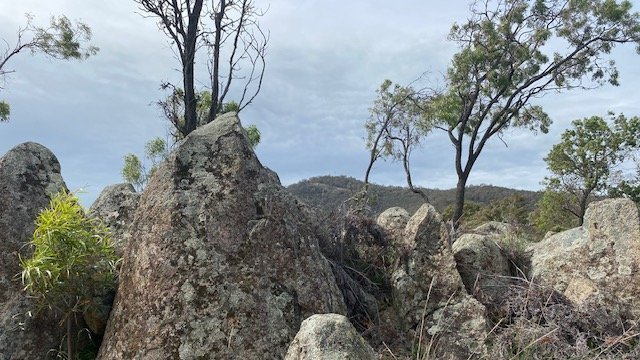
(223, 263)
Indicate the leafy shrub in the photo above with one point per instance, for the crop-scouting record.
(552, 214)
(73, 262)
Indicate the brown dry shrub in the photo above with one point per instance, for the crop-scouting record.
(536, 322)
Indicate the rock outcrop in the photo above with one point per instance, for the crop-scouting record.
(115, 207)
(223, 265)
(597, 263)
(393, 221)
(484, 268)
(329, 337)
(29, 176)
(430, 295)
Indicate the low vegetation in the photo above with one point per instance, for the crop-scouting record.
(72, 266)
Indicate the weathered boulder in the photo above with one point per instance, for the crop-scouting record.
(393, 221)
(224, 264)
(430, 296)
(493, 228)
(484, 268)
(598, 262)
(329, 337)
(29, 176)
(115, 207)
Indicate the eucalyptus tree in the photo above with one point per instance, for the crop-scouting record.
(60, 39)
(396, 127)
(582, 162)
(229, 33)
(513, 52)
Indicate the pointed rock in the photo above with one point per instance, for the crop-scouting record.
(430, 296)
(224, 264)
(29, 176)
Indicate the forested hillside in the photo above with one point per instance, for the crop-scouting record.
(328, 192)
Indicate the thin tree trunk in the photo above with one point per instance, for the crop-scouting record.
(407, 171)
(458, 210)
(583, 208)
(215, 63)
(188, 64)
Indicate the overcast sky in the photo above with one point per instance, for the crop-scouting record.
(325, 60)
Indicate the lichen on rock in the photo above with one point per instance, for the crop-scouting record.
(29, 176)
(223, 263)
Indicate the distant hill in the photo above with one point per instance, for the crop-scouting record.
(329, 192)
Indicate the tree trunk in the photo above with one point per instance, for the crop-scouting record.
(215, 64)
(459, 202)
(583, 208)
(188, 64)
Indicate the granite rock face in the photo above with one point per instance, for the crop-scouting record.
(484, 268)
(29, 176)
(116, 206)
(329, 337)
(393, 221)
(430, 295)
(596, 263)
(223, 263)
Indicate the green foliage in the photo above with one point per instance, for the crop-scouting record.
(396, 127)
(136, 172)
(73, 263)
(628, 189)
(505, 61)
(173, 108)
(396, 123)
(469, 213)
(62, 40)
(5, 110)
(629, 186)
(132, 171)
(228, 107)
(512, 209)
(254, 135)
(328, 193)
(581, 164)
(73, 260)
(551, 213)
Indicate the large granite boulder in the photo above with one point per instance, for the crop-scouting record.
(598, 262)
(29, 176)
(329, 337)
(115, 207)
(482, 264)
(393, 221)
(224, 264)
(430, 295)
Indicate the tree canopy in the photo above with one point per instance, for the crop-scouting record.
(513, 52)
(61, 39)
(235, 46)
(582, 162)
(396, 127)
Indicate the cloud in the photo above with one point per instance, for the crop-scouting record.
(325, 60)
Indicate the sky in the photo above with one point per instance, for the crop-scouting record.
(325, 60)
